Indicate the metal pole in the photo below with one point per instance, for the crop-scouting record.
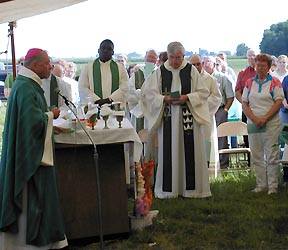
(11, 33)
(96, 165)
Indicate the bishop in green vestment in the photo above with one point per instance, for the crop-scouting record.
(28, 187)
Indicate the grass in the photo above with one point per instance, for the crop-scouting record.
(233, 218)
(237, 64)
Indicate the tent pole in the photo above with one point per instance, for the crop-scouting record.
(12, 25)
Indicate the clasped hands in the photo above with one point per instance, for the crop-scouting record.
(100, 102)
(260, 122)
(181, 100)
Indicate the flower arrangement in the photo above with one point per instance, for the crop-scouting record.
(143, 192)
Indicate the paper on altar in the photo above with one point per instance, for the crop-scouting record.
(62, 123)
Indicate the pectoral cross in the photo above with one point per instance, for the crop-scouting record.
(167, 109)
(166, 92)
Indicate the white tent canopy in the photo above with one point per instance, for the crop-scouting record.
(13, 10)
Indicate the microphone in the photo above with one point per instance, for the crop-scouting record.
(96, 165)
(66, 100)
(4, 52)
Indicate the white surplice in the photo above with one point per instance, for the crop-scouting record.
(153, 107)
(63, 87)
(214, 101)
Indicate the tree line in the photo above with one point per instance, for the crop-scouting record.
(274, 41)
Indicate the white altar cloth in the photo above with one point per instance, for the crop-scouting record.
(104, 136)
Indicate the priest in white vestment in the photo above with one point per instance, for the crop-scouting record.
(51, 93)
(214, 101)
(174, 100)
(104, 80)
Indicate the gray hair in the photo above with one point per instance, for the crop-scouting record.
(174, 47)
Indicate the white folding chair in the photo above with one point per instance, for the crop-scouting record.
(234, 128)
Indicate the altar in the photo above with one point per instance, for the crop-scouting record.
(76, 176)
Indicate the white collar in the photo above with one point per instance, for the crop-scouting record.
(30, 74)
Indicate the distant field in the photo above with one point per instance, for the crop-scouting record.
(237, 64)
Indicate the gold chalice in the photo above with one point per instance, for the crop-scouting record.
(105, 118)
(92, 120)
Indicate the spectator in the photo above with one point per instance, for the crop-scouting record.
(243, 76)
(162, 58)
(226, 90)
(131, 69)
(214, 101)
(10, 79)
(261, 100)
(281, 70)
(274, 63)
(136, 81)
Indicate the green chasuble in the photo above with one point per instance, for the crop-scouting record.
(23, 145)
(97, 77)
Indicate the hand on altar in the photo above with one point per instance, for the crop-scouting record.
(56, 112)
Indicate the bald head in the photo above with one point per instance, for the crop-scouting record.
(196, 60)
(58, 70)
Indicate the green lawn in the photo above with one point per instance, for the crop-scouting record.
(234, 218)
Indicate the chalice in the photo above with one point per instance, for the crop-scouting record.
(119, 118)
(92, 120)
(105, 118)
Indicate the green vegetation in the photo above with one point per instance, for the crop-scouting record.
(233, 218)
(2, 120)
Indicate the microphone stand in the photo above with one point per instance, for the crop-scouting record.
(96, 165)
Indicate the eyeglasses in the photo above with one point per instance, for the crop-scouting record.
(196, 64)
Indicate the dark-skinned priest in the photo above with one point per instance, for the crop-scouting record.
(30, 212)
(103, 80)
(175, 104)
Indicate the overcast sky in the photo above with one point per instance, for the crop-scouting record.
(135, 26)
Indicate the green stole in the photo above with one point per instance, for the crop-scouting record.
(53, 93)
(97, 77)
(185, 77)
(139, 79)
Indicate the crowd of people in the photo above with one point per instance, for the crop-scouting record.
(181, 101)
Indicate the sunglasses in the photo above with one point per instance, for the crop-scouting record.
(196, 64)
